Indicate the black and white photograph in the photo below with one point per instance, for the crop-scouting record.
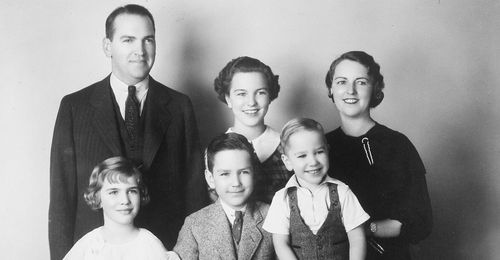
(263, 130)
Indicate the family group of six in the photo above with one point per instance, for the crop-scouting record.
(128, 178)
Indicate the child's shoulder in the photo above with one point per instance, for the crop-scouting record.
(93, 236)
(148, 246)
(149, 240)
(341, 186)
(203, 213)
(147, 235)
(89, 241)
(282, 193)
(261, 207)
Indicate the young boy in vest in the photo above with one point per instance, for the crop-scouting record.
(314, 216)
(231, 228)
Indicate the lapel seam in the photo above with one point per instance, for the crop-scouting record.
(254, 233)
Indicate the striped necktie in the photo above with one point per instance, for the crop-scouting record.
(237, 226)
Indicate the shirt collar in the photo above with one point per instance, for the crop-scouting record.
(230, 212)
(292, 182)
(120, 91)
(118, 85)
(264, 144)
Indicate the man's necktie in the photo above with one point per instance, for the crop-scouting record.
(132, 113)
(237, 226)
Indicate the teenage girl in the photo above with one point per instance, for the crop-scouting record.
(248, 86)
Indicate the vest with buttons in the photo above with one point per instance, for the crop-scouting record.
(129, 150)
(330, 242)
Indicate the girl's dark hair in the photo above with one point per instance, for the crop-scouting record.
(222, 84)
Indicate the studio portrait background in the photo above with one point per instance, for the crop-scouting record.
(440, 60)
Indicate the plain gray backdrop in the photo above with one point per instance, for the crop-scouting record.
(440, 59)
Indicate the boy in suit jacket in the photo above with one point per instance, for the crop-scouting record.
(231, 228)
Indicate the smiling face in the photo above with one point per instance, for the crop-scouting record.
(132, 48)
(306, 154)
(232, 177)
(352, 89)
(120, 201)
(248, 99)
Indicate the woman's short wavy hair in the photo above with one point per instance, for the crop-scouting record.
(373, 72)
(114, 170)
(222, 84)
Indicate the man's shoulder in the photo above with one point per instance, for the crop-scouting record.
(86, 92)
(162, 89)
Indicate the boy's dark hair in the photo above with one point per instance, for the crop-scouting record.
(127, 9)
(114, 170)
(222, 84)
(230, 141)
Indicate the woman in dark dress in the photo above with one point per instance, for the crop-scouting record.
(380, 165)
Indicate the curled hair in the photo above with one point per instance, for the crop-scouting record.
(222, 84)
(230, 141)
(366, 60)
(126, 9)
(296, 125)
(114, 170)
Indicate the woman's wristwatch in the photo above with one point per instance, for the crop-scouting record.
(373, 227)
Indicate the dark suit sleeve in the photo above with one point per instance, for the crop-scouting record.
(62, 206)
(195, 190)
(414, 207)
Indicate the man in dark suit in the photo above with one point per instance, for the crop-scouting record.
(128, 114)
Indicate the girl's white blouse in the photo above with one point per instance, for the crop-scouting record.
(265, 144)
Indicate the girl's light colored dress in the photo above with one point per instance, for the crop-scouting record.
(145, 246)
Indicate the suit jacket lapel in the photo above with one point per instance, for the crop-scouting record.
(222, 237)
(104, 120)
(251, 235)
(157, 121)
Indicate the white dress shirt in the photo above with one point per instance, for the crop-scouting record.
(314, 206)
(230, 212)
(120, 90)
(264, 144)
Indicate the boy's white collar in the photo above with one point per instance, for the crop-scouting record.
(292, 182)
(230, 212)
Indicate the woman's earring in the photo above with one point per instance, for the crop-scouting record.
(229, 105)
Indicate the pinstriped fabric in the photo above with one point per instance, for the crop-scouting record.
(86, 132)
(132, 116)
